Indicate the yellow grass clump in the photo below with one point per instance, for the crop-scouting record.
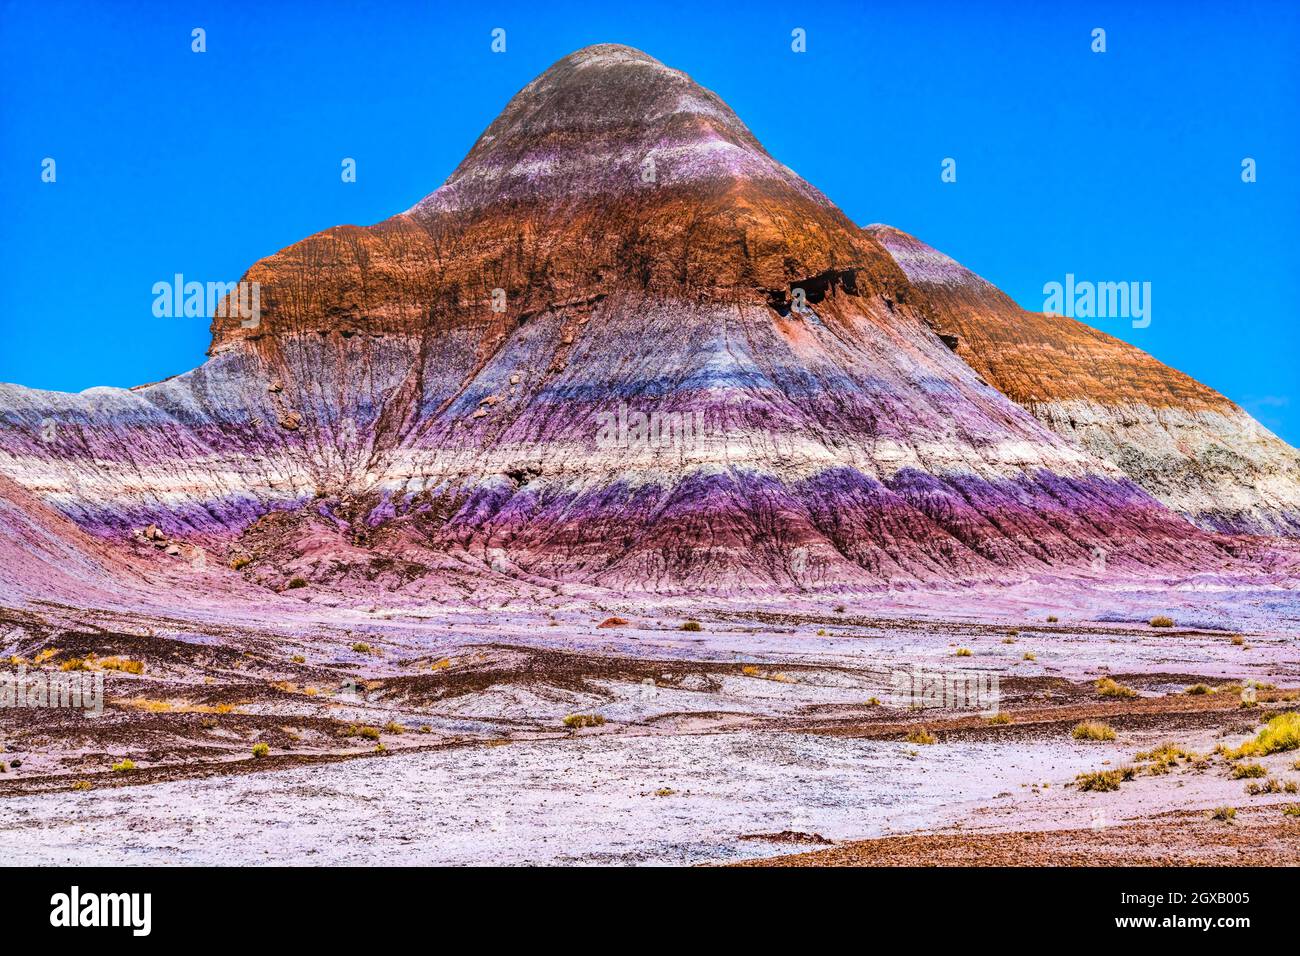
(1107, 687)
(1102, 781)
(578, 721)
(360, 730)
(1281, 733)
(1092, 730)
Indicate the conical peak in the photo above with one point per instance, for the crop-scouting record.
(608, 119)
(610, 83)
(610, 171)
(601, 54)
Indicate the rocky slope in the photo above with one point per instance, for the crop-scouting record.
(1186, 444)
(45, 556)
(444, 393)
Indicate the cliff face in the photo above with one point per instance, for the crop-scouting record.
(700, 375)
(1184, 443)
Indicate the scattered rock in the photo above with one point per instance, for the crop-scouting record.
(789, 836)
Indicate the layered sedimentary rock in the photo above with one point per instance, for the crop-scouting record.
(46, 556)
(1183, 442)
(622, 346)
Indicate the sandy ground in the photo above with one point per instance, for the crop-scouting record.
(772, 729)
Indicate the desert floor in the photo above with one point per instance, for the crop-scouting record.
(775, 733)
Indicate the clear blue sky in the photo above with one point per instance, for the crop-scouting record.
(1118, 166)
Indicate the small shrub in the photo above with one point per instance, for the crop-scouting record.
(749, 670)
(578, 721)
(1292, 809)
(1092, 730)
(297, 582)
(123, 665)
(665, 792)
(839, 609)
(1103, 781)
(124, 765)
(360, 730)
(75, 664)
(1166, 756)
(260, 750)
(1008, 640)
(393, 727)
(1246, 771)
(380, 749)
(875, 702)
(1106, 687)
(1272, 785)
(998, 719)
(963, 652)
(921, 736)
(1029, 656)
(1196, 689)
(1162, 621)
(83, 785)
(1238, 640)
(240, 561)
(361, 647)
(690, 626)
(299, 659)
(1226, 814)
(1052, 619)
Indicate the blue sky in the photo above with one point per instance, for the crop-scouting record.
(1115, 167)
